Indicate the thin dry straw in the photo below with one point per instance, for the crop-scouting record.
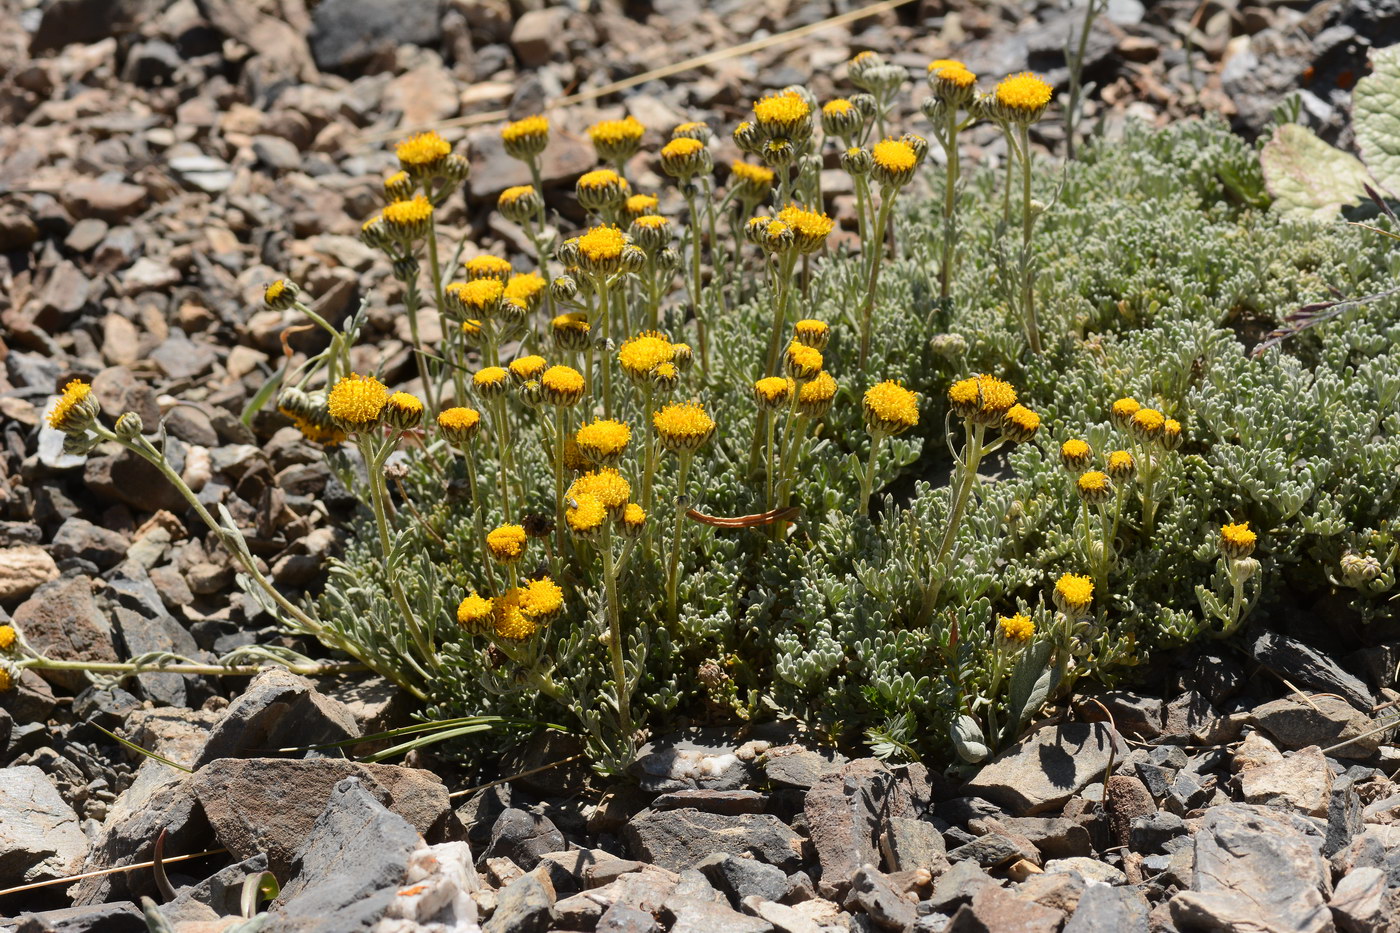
(699, 61)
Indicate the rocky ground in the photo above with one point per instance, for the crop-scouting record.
(160, 162)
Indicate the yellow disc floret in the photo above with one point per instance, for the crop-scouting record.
(890, 408)
(474, 613)
(75, 408)
(604, 440)
(357, 401)
(585, 514)
(506, 543)
(542, 600)
(1074, 593)
(511, 623)
(641, 354)
(1023, 96)
(422, 151)
(683, 426)
(1237, 541)
(1018, 628)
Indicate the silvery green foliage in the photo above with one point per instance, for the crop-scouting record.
(1158, 270)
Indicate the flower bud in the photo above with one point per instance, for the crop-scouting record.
(1358, 570)
(129, 426)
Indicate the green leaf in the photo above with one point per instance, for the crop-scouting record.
(1032, 679)
(1376, 116)
(969, 740)
(1309, 179)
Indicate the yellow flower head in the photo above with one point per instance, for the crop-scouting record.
(506, 543)
(1075, 455)
(639, 205)
(527, 287)
(683, 426)
(459, 425)
(809, 227)
(511, 623)
(585, 514)
(890, 408)
(781, 111)
(1237, 541)
(1074, 593)
(1121, 465)
(403, 410)
(570, 330)
(813, 333)
(542, 600)
(562, 385)
(488, 267)
(1147, 423)
(474, 613)
(280, 294)
(600, 249)
(641, 354)
(398, 186)
(814, 398)
(514, 193)
(681, 147)
(1171, 434)
(938, 63)
(1022, 98)
(7, 637)
(752, 181)
(478, 296)
(1123, 411)
(423, 154)
(956, 75)
(357, 401)
(1020, 424)
(838, 107)
(526, 138)
(634, 519)
(1018, 628)
(773, 392)
(527, 367)
(607, 485)
(75, 410)
(604, 440)
(616, 140)
(602, 180)
(408, 219)
(894, 162)
(802, 362)
(1093, 486)
(651, 222)
(984, 399)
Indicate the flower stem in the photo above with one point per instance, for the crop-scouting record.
(695, 242)
(868, 480)
(972, 456)
(873, 277)
(619, 666)
(1027, 227)
(674, 564)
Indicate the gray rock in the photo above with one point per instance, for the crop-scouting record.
(141, 634)
(697, 915)
(713, 801)
(739, 878)
(1305, 665)
(679, 839)
(523, 838)
(1259, 863)
(62, 620)
(846, 812)
(1054, 837)
(622, 919)
(1300, 779)
(349, 866)
(40, 838)
(78, 537)
(1058, 889)
(278, 710)
(116, 917)
(993, 849)
(1151, 833)
(209, 174)
(957, 886)
(1045, 769)
(1325, 721)
(112, 201)
(993, 910)
(699, 758)
(796, 766)
(909, 844)
(523, 906)
(346, 33)
(1090, 869)
(871, 892)
(1359, 902)
(219, 895)
(1344, 817)
(1105, 909)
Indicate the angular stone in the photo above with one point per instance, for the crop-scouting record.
(1305, 665)
(1054, 837)
(348, 867)
(117, 917)
(1125, 799)
(538, 35)
(713, 801)
(62, 620)
(1046, 768)
(1301, 778)
(957, 886)
(1324, 721)
(109, 201)
(346, 33)
(796, 766)
(698, 915)
(278, 710)
(269, 804)
(679, 839)
(523, 906)
(874, 894)
(622, 919)
(909, 844)
(1359, 902)
(22, 569)
(1105, 909)
(994, 910)
(523, 838)
(80, 538)
(845, 815)
(40, 838)
(739, 878)
(699, 758)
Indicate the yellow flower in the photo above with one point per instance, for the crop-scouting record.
(399, 186)
(1018, 628)
(1020, 424)
(600, 250)
(459, 425)
(684, 156)
(526, 138)
(1093, 487)
(423, 155)
(781, 113)
(814, 398)
(895, 161)
(403, 411)
(616, 140)
(75, 410)
(527, 367)
(938, 63)
(838, 107)
(1123, 411)
(408, 220)
(6, 681)
(474, 612)
(488, 267)
(983, 399)
(603, 441)
(1121, 465)
(651, 232)
(570, 330)
(480, 297)
(585, 515)
(542, 600)
(813, 333)
(802, 362)
(1237, 541)
(607, 485)
(562, 385)
(639, 205)
(1074, 593)
(7, 637)
(1022, 98)
(280, 295)
(506, 543)
(809, 227)
(491, 382)
(956, 74)
(1147, 423)
(683, 426)
(890, 408)
(511, 623)
(639, 355)
(1171, 434)
(356, 401)
(634, 520)
(514, 193)
(773, 392)
(751, 182)
(600, 189)
(1075, 455)
(527, 288)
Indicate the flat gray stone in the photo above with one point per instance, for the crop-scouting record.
(39, 833)
(679, 839)
(1325, 721)
(846, 813)
(1045, 769)
(1305, 665)
(1105, 909)
(1359, 902)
